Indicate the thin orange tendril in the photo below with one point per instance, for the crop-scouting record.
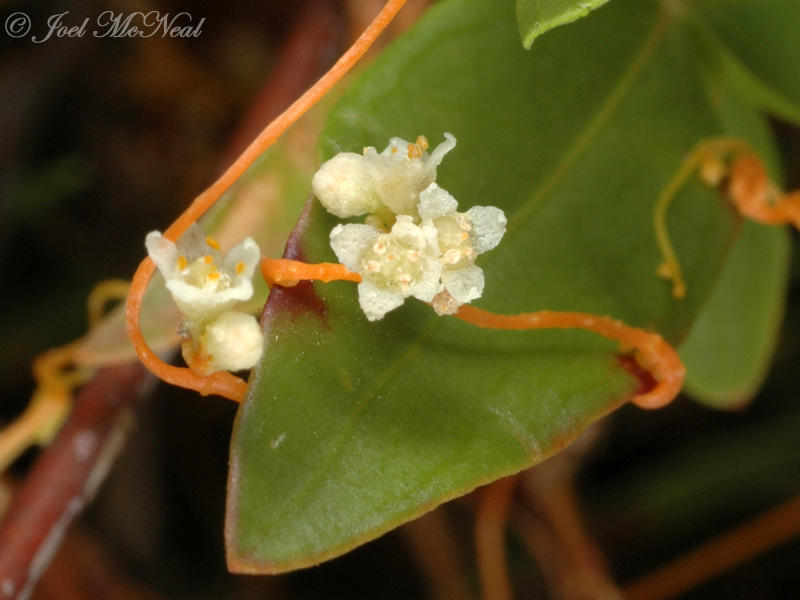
(650, 350)
(744, 181)
(490, 540)
(224, 383)
(753, 193)
(287, 273)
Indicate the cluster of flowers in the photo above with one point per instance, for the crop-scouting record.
(413, 241)
(207, 287)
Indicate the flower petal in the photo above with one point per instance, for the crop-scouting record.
(488, 227)
(234, 341)
(248, 253)
(163, 252)
(350, 241)
(429, 284)
(446, 146)
(377, 301)
(435, 202)
(464, 284)
(345, 185)
(192, 243)
(200, 305)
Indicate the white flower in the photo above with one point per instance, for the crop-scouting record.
(431, 249)
(345, 185)
(202, 283)
(393, 265)
(460, 238)
(206, 287)
(233, 341)
(350, 184)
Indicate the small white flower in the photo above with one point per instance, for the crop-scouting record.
(345, 185)
(460, 238)
(431, 249)
(206, 287)
(202, 283)
(393, 266)
(233, 341)
(350, 185)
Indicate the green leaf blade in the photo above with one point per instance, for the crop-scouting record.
(731, 344)
(756, 40)
(372, 451)
(380, 422)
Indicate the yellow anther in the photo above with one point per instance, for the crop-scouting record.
(394, 150)
(240, 267)
(414, 151)
(213, 275)
(208, 259)
(182, 263)
(212, 242)
(422, 142)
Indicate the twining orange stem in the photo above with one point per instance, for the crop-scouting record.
(756, 197)
(767, 530)
(287, 273)
(490, 541)
(650, 350)
(225, 384)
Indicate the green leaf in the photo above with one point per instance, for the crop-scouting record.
(756, 41)
(352, 428)
(732, 342)
(535, 17)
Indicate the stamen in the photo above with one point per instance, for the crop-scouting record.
(208, 259)
(240, 267)
(182, 263)
(452, 256)
(213, 275)
(212, 242)
(414, 151)
(422, 142)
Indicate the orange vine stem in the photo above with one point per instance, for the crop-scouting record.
(753, 193)
(651, 351)
(490, 524)
(731, 165)
(287, 273)
(765, 531)
(223, 383)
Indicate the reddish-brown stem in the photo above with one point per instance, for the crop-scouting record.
(650, 350)
(701, 564)
(490, 540)
(225, 384)
(66, 476)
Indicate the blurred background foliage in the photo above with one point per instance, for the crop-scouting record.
(104, 140)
